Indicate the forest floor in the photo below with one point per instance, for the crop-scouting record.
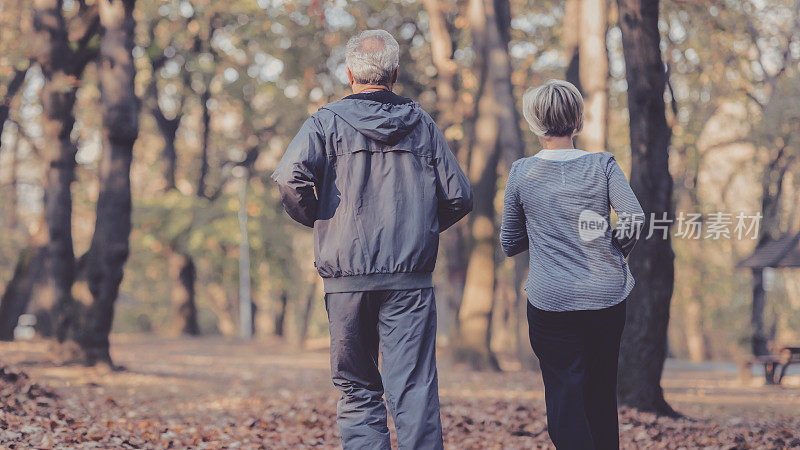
(217, 393)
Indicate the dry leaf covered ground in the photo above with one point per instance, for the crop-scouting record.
(213, 393)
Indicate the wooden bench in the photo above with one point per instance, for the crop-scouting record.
(775, 364)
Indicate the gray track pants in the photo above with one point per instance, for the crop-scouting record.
(404, 323)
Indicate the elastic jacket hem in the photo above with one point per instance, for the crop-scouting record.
(378, 282)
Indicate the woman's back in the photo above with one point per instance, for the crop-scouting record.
(558, 205)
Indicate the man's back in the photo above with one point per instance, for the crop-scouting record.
(372, 174)
(386, 185)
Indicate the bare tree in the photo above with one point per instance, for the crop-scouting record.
(497, 135)
(202, 44)
(448, 106)
(571, 37)
(644, 344)
(180, 262)
(17, 292)
(584, 33)
(167, 126)
(594, 73)
(183, 273)
(64, 48)
(120, 127)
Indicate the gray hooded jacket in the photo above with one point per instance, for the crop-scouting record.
(374, 177)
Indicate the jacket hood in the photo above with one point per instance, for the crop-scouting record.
(381, 116)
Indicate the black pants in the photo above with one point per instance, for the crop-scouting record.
(578, 352)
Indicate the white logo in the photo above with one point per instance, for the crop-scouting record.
(591, 225)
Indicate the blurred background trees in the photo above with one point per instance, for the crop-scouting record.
(219, 88)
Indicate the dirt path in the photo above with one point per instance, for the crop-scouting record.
(215, 393)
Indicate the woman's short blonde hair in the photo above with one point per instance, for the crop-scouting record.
(554, 109)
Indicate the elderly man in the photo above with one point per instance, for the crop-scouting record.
(374, 177)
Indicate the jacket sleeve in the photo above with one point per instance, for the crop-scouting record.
(453, 189)
(630, 217)
(299, 173)
(513, 232)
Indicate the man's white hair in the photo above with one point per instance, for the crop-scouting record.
(372, 57)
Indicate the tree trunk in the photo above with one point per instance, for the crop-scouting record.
(18, 292)
(169, 130)
(454, 245)
(513, 145)
(594, 74)
(494, 130)
(305, 320)
(13, 210)
(279, 328)
(475, 315)
(525, 354)
(644, 343)
(14, 86)
(183, 273)
(695, 336)
(571, 31)
(222, 307)
(181, 265)
(61, 69)
(168, 127)
(759, 338)
(204, 143)
(120, 127)
(453, 242)
(446, 67)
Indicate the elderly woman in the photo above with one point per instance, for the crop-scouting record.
(557, 205)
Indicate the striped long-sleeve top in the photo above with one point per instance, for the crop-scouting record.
(557, 204)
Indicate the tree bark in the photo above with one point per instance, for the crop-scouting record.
(14, 86)
(222, 307)
(453, 243)
(14, 302)
(305, 320)
(279, 328)
(513, 145)
(168, 127)
(446, 67)
(181, 264)
(183, 273)
(13, 210)
(204, 143)
(47, 267)
(644, 343)
(62, 63)
(169, 130)
(496, 131)
(759, 338)
(120, 127)
(475, 312)
(594, 74)
(455, 246)
(571, 30)
(695, 335)
(525, 354)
